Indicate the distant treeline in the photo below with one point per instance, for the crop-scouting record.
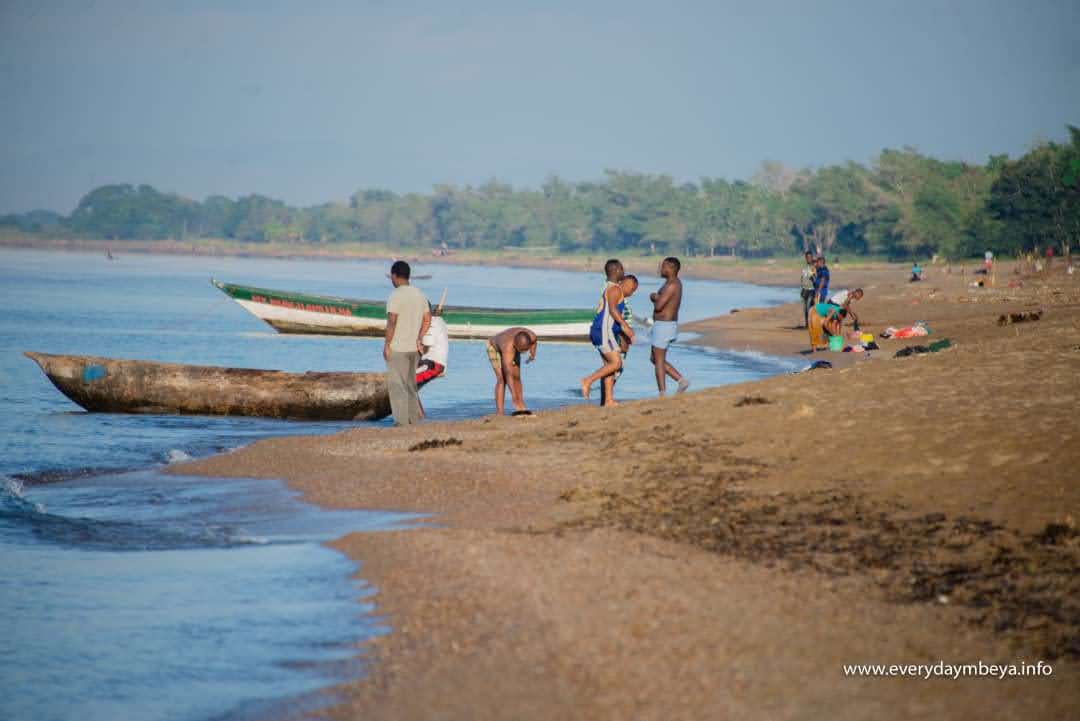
(904, 204)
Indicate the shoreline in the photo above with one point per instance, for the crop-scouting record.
(592, 594)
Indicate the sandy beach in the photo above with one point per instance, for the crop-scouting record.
(725, 553)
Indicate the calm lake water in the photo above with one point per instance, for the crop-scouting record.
(130, 594)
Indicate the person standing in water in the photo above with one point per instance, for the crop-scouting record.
(436, 343)
(629, 287)
(407, 320)
(609, 326)
(666, 302)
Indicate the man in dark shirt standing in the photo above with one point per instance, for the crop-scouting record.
(821, 280)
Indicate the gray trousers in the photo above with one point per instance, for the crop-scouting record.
(401, 379)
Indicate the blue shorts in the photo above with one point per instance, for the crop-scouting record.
(664, 333)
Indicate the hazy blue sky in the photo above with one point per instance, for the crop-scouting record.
(308, 101)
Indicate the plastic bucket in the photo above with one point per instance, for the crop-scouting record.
(836, 342)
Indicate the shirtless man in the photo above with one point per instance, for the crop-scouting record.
(504, 351)
(666, 302)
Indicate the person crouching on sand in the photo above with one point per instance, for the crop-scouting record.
(825, 318)
(436, 344)
(504, 351)
(608, 324)
(845, 299)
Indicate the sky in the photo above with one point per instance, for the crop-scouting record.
(309, 101)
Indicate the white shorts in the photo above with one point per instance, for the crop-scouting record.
(610, 345)
(664, 333)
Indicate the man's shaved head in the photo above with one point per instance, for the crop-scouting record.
(614, 269)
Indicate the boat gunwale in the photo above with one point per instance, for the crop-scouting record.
(375, 304)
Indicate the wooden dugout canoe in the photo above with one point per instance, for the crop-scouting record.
(134, 386)
(289, 312)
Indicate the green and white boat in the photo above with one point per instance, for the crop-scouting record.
(289, 312)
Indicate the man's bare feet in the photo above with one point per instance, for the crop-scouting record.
(683, 385)
(611, 403)
(584, 390)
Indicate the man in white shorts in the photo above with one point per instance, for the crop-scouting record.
(665, 330)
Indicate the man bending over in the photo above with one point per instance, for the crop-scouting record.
(504, 352)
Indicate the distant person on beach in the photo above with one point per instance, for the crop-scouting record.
(916, 272)
(609, 326)
(665, 330)
(436, 353)
(821, 280)
(504, 351)
(408, 317)
(806, 286)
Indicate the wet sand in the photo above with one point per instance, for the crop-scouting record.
(723, 554)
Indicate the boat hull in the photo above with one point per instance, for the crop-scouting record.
(325, 315)
(132, 386)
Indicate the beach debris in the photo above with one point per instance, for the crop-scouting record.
(935, 347)
(918, 329)
(1056, 534)
(816, 365)
(752, 401)
(433, 443)
(520, 414)
(953, 561)
(940, 345)
(1022, 317)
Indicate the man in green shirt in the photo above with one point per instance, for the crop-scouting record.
(408, 316)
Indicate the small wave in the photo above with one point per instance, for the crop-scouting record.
(176, 455)
(13, 500)
(242, 540)
(59, 475)
(20, 515)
